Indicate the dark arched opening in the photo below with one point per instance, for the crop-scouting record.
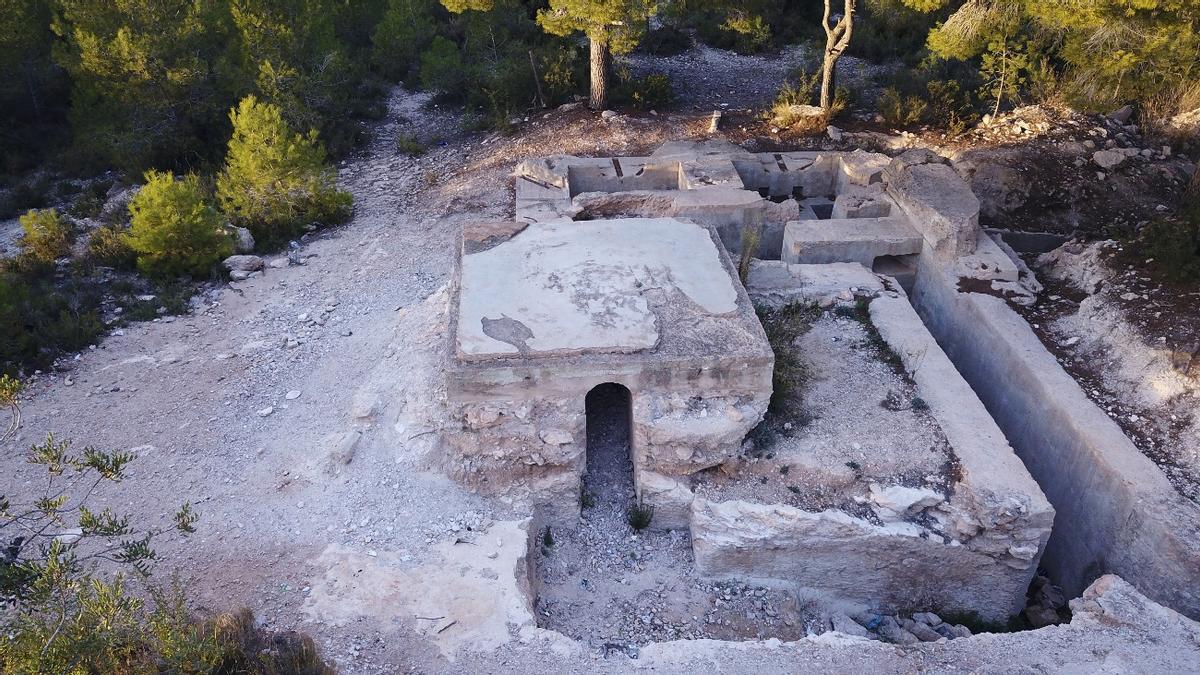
(609, 479)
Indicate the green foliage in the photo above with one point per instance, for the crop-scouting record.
(275, 181)
(401, 36)
(1174, 244)
(665, 40)
(949, 107)
(562, 70)
(109, 247)
(652, 91)
(751, 237)
(409, 145)
(145, 77)
(747, 26)
(175, 230)
(442, 67)
(39, 321)
(46, 236)
(747, 33)
(32, 89)
(617, 24)
(65, 613)
(791, 372)
(639, 516)
(1113, 51)
(900, 110)
(10, 398)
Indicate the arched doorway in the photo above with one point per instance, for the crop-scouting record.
(609, 479)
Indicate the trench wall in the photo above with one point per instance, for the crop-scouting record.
(1116, 511)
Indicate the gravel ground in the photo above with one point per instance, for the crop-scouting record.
(615, 588)
(856, 421)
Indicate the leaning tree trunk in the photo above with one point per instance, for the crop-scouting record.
(837, 38)
(600, 56)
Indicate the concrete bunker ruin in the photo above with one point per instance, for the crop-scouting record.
(619, 272)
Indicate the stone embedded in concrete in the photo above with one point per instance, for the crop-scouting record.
(859, 240)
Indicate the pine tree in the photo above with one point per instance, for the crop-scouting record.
(149, 78)
(611, 26)
(275, 180)
(174, 227)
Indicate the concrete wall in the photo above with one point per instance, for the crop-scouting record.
(1116, 511)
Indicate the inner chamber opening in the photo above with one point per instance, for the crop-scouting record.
(609, 477)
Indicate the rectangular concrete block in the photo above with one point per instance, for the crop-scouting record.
(855, 240)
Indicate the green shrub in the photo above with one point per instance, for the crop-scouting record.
(949, 107)
(639, 516)
(39, 321)
(442, 68)
(109, 247)
(276, 181)
(407, 144)
(69, 611)
(900, 110)
(400, 36)
(751, 35)
(563, 72)
(45, 237)
(649, 92)
(1174, 244)
(175, 229)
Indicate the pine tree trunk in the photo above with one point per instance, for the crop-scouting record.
(599, 60)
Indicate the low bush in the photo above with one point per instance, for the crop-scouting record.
(1174, 244)
(175, 230)
(639, 516)
(950, 107)
(276, 181)
(563, 73)
(653, 91)
(38, 321)
(900, 110)
(46, 236)
(409, 145)
(109, 247)
(442, 70)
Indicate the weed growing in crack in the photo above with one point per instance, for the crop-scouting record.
(639, 516)
(862, 314)
(792, 372)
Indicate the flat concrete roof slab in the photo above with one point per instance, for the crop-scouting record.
(565, 288)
